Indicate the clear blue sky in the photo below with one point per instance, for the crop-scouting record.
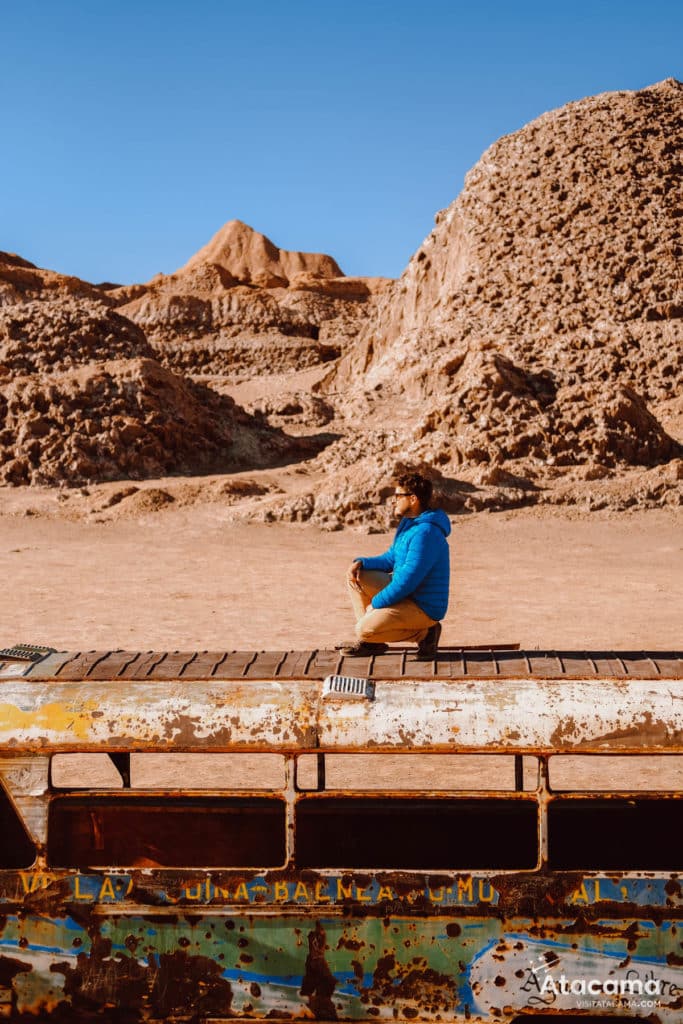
(132, 131)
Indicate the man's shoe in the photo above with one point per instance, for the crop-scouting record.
(427, 648)
(361, 648)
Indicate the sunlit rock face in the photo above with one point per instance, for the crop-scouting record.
(241, 306)
(534, 341)
(83, 399)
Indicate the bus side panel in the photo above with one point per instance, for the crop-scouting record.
(220, 964)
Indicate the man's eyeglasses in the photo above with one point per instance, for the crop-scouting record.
(401, 494)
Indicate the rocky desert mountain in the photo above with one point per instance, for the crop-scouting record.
(531, 352)
(535, 341)
(240, 306)
(83, 397)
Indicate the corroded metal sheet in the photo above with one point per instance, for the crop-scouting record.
(523, 715)
(143, 666)
(530, 715)
(25, 779)
(79, 666)
(325, 663)
(141, 715)
(393, 665)
(174, 664)
(295, 665)
(233, 665)
(332, 948)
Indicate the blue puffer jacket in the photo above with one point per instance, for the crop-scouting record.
(419, 562)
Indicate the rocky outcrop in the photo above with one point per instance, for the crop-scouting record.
(540, 323)
(59, 335)
(568, 229)
(21, 281)
(251, 258)
(241, 294)
(82, 399)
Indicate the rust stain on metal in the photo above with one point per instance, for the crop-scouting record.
(645, 728)
(501, 712)
(53, 892)
(9, 969)
(100, 979)
(181, 981)
(673, 887)
(413, 982)
(318, 982)
(584, 925)
(347, 943)
(565, 731)
(523, 894)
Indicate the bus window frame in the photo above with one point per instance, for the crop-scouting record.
(291, 794)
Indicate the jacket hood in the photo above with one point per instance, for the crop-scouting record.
(435, 517)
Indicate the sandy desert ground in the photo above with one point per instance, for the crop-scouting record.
(187, 578)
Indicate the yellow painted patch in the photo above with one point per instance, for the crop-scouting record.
(50, 718)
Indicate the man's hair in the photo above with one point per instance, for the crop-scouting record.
(418, 485)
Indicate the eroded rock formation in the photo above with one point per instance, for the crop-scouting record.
(82, 398)
(532, 352)
(537, 331)
(241, 305)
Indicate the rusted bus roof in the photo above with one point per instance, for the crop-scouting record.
(533, 716)
(397, 663)
(152, 715)
(74, 702)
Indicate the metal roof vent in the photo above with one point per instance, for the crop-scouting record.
(26, 652)
(348, 688)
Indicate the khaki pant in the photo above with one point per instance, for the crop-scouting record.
(404, 621)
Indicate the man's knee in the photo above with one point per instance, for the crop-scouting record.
(361, 582)
(366, 629)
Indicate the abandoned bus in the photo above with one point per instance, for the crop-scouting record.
(489, 837)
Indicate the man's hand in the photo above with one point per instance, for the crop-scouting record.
(353, 575)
